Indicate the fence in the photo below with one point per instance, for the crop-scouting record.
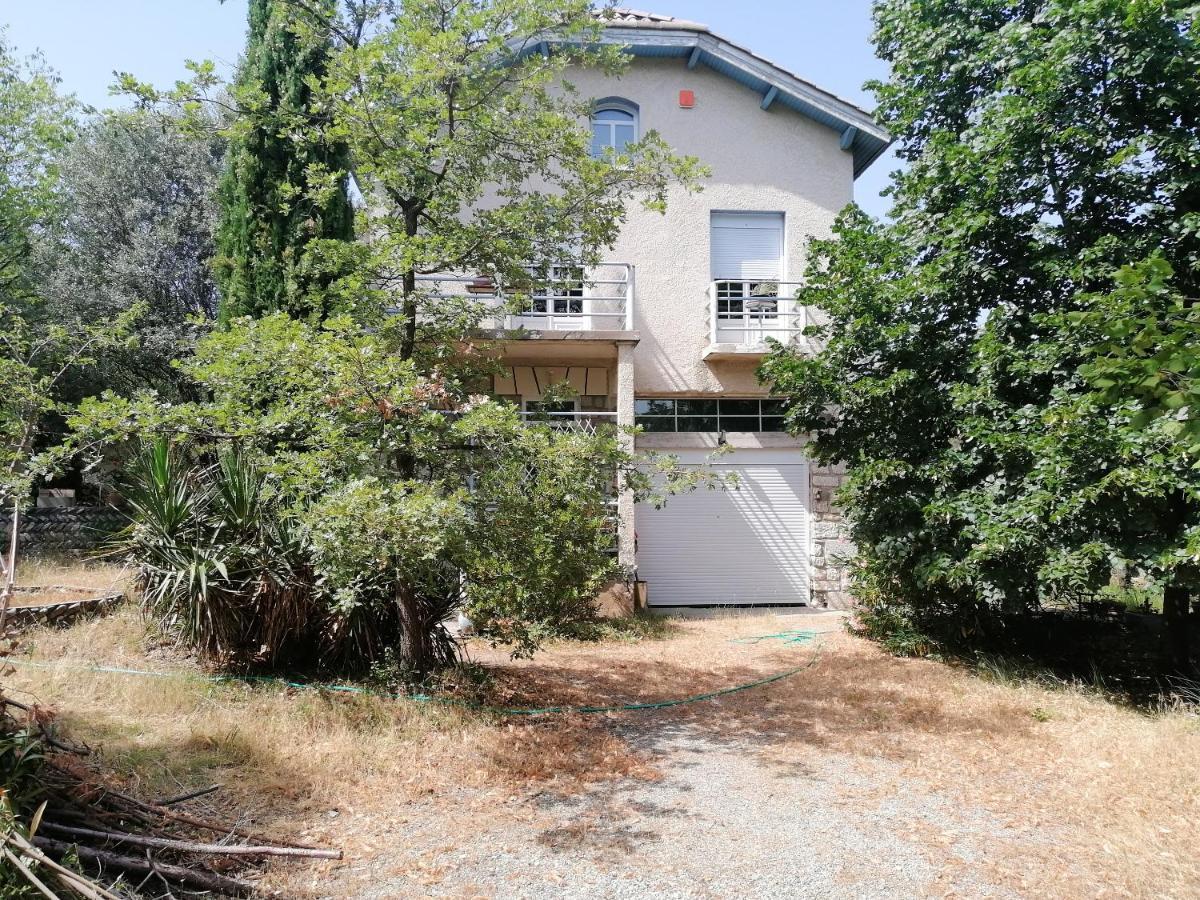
(70, 529)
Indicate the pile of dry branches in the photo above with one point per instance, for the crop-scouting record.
(150, 848)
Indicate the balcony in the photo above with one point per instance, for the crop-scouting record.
(745, 315)
(570, 301)
(581, 421)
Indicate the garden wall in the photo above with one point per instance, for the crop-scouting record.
(831, 546)
(71, 529)
(75, 604)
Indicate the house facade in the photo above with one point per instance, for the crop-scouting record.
(668, 336)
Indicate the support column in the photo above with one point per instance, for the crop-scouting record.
(626, 535)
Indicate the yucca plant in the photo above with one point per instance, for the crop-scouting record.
(284, 604)
(179, 569)
(219, 565)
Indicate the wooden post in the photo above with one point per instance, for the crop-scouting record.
(10, 566)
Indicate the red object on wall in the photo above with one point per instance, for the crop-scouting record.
(687, 99)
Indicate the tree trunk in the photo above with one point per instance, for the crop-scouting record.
(408, 343)
(416, 641)
(416, 646)
(1177, 614)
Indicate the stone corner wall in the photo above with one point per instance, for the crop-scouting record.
(66, 611)
(831, 546)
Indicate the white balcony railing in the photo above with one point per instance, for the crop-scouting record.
(745, 314)
(588, 422)
(567, 298)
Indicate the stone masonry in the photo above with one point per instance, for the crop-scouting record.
(75, 603)
(831, 546)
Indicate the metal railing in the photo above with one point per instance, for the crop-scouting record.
(568, 298)
(747, 313)
(585, 421)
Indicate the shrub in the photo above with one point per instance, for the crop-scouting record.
(326, 506)
(219, 564)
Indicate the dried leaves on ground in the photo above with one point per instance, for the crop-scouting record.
(1088, 796)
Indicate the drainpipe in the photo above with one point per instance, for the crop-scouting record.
(626, 542)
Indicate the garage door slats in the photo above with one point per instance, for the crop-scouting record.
(741, 546)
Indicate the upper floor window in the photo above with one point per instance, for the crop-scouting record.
(614, 126)
(562, 293)
(747, 262)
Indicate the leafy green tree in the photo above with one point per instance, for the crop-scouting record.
(1048, 145)
(411, 495)
(36, 124)
(472, 148)
(473, 154)
(270, 211)
(139, 210)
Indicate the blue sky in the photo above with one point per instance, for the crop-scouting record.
(826, 43)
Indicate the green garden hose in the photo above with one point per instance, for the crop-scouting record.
(788, 637)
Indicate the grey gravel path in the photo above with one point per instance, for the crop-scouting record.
(721, 823)
(732, 816)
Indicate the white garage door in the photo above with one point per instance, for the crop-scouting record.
(740, 546)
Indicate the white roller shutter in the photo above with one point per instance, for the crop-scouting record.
(747, 246)
(735, 547)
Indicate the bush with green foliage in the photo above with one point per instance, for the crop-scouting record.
(328, 504)
(1007, 365)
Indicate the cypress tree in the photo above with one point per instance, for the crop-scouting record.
(267, 216)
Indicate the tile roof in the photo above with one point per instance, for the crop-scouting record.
(642, 19)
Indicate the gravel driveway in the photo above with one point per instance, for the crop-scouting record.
(727, 817)
(720, 824)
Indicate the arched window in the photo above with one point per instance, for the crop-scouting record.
(614, 125)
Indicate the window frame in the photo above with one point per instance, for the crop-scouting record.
(724, 415)
(614, 104)
(563, 294)
(748, 299)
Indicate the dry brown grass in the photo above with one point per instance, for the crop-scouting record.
(100, 576)
(1114, 790)
(298, 762)
(65, 580)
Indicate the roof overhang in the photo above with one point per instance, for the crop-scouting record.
(859, 134)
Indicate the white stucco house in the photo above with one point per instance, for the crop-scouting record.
(668, 335)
